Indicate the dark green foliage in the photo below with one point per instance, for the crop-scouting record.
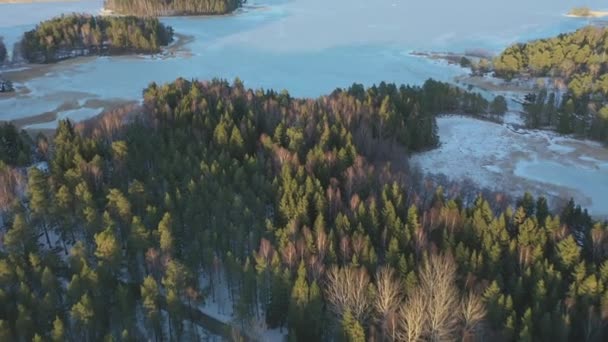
(498, 106)
(174, 7)
(439, 97)
(79, 35)
(16, 148)
(465, 62)
(352, 331)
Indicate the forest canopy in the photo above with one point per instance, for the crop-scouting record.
(296, 209)
(172, 7)
(575, 61)
(76, 35)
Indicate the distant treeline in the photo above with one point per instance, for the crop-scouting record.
(575, 60)
(81, 35)
(2, 51)
(172, 7)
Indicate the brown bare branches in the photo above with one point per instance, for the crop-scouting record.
(347, 290)
(437, 281)
(388, 299)
(413, 317)
(473, 312)
(434, 311)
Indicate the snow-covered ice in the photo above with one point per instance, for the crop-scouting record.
(495, 156)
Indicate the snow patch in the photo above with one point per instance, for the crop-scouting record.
(75, 115)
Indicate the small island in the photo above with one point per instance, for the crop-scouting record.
(84, 35)
(586, 12)
(171, 7)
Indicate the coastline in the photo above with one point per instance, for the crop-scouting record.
(491, 84)
(22, 73)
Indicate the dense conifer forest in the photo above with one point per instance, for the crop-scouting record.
(575, 62)
(172, 7)
(77, 35)
(300, 208)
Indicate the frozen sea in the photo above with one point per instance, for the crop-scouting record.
(310, 47)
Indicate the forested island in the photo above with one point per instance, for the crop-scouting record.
(296, 208)
(82, 35)
(586, 12)
(172, 7)
(573, 71)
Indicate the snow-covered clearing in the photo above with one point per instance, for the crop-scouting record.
(499, 157)
(220, 306)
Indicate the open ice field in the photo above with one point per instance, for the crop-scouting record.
(499, 157)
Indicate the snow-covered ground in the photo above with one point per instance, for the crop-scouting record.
(497, 156)
(220, 306)
(74, 115)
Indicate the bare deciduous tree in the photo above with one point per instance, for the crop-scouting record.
(388, 299)
(473, 312)
(347, 289)
(412, 317)
(434, 310)
(437, 281)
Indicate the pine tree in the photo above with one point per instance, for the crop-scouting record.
(314, 313)
(39, 196)
(175, 282)
(5, 331)
(24, 324)
(108, 250)
(236, 142)
(58, 333)
(298, 304)
(20, 238)
(351, 329)
(568, 252)
(279, 298)
(166, 235)
(150, 297)
(82, 315)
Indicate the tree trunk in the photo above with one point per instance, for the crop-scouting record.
(46, 234)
